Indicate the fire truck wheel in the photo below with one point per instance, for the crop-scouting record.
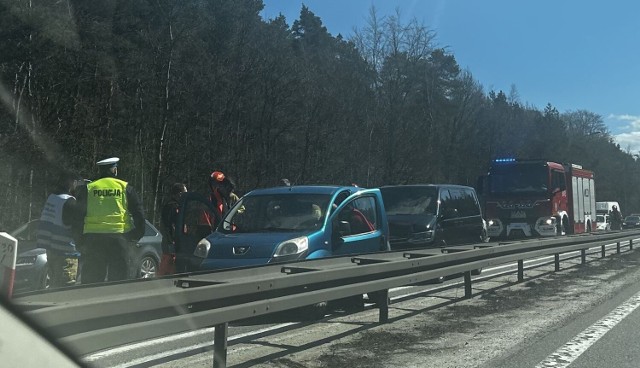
(484, 237)
(558, 226)
(565, 225)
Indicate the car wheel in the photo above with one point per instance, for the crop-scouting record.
(313, 312)
(148, 267)
(437, 280)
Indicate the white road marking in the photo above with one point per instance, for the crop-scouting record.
(568, 353)
(173, 338)
(123, 349)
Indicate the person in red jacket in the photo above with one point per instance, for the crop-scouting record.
(221, 196)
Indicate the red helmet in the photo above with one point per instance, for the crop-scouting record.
(216, 177)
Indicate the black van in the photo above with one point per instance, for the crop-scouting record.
(433, 215)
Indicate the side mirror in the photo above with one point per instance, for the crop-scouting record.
(344, 228)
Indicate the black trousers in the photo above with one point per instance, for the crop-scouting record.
(102, 254)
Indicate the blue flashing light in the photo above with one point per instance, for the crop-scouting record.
(504, 160)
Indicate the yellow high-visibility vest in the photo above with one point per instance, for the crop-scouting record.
(107, 207)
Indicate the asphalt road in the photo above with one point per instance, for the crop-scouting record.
(606, 336)
(195, 348)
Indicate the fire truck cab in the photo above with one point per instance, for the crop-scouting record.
(526, 198)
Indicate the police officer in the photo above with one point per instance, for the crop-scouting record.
(55, 235)
(113, 219)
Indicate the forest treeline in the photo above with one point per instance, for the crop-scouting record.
(178, 88)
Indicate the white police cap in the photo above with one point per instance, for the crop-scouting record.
(113, 161)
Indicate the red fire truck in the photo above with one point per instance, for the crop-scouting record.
(525, 198)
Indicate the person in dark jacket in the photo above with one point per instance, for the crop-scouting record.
(168, 220)
(112, 220)
(616, 219)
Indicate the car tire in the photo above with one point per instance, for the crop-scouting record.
(437, 280)
(350, 304)
(147, 267)
(314, 312)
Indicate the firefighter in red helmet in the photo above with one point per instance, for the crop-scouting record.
(221, 194)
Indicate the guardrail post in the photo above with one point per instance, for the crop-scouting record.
(383, 306)
(520, 270)
(583, 256)
(467, 284)
(630, 244)
(618, 247)
(602, 251)
(220, 345)
(557, 262)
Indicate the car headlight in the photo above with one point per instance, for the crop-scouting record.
(292, 246)
(202, 249)
(490, 223)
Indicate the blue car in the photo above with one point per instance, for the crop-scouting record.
(286, 224)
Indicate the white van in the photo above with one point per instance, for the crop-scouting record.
(606, 207)
(603, 222)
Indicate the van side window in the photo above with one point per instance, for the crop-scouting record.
(447, 204)
(469, 204)
(361, 215)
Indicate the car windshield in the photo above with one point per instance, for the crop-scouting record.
(632, 219)
(600, 218)
(277, 213)
(410, 200)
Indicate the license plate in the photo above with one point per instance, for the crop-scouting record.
(518, 214)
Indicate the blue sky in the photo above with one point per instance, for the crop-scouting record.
(570, 53)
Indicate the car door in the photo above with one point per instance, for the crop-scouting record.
(196, 220)
(357, 226)
(448, 222)
(470, 215)
(144, 256)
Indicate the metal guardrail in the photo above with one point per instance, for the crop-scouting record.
(96, 317)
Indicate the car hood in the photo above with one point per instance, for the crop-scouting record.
(32, 252)
(403, 225)
(260, 245)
